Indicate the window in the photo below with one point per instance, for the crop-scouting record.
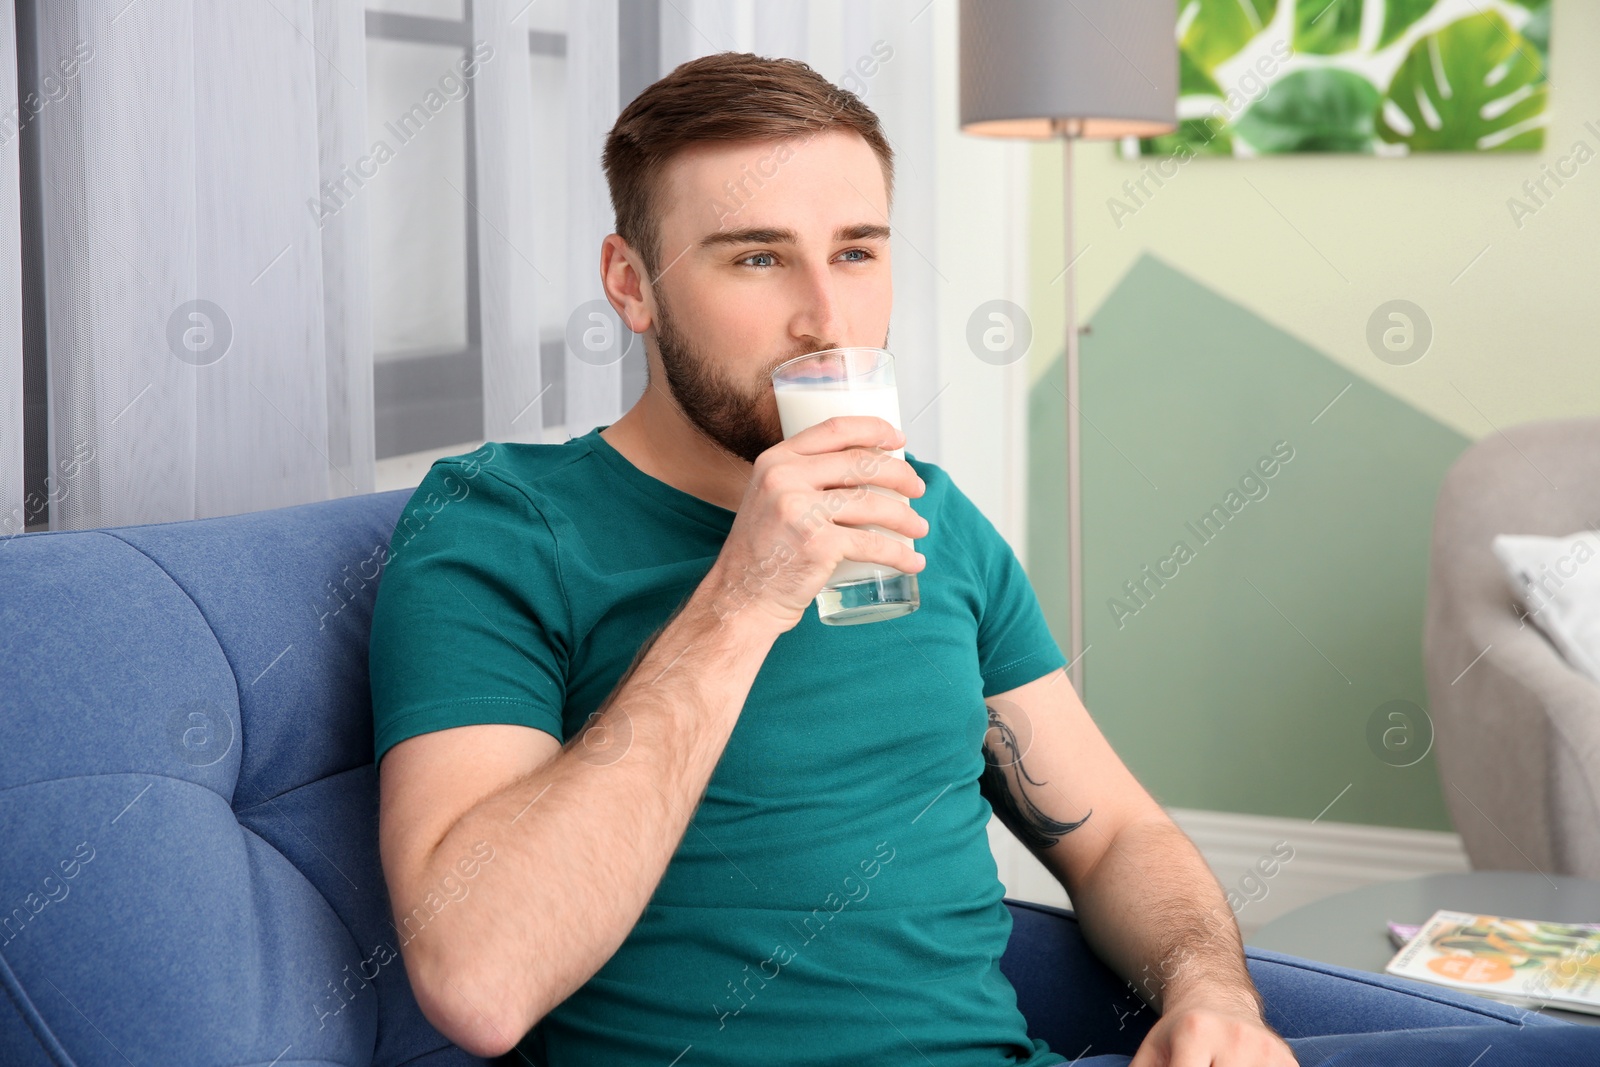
(427, 373)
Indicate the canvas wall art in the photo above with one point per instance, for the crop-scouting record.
(1381, 77)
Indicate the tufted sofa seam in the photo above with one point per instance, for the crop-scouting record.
(238, 692)
(303, 785)
(111, 774)
(425, 1055)
(238, 695)
(187, 595)
(354, 940)
(24, 1005)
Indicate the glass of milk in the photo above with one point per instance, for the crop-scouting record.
(849, 381)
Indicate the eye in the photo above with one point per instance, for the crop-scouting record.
(866, 254)
(759, 255)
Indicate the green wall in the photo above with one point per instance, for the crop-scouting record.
(1246, 679)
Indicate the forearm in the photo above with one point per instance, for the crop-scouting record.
(582, 842)
(1151, 908)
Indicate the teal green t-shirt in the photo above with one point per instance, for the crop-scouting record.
(834, 898)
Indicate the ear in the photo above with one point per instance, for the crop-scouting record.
(622, 276)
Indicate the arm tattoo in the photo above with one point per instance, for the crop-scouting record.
(1016, 809)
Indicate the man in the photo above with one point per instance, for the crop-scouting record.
(701, 827)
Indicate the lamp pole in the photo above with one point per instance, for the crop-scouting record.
(1069, 130)
(1089, 69)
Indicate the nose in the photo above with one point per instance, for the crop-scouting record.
(818, 319)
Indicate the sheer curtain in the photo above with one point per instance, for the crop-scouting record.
(511, 289)
(206, 336)
(593, 374)
(283, 242)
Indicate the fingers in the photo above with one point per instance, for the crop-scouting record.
(861, 466)
(1211, 1039)
(1152, 1050)
(862, 505)
(869, 546)
(842, 431)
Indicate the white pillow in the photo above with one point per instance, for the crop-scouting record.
(1557, 580)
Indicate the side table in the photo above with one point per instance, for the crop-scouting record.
(1351, 929)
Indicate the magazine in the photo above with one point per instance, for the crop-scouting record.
(1522, 961)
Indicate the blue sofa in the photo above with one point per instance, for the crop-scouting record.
(188, 811)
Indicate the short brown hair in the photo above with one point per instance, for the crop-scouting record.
(726, 96)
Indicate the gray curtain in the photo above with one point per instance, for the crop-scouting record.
(14, 514)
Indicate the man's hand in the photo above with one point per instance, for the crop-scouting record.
(811, 503)
(1212, 1035)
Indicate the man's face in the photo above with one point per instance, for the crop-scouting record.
(769, 250)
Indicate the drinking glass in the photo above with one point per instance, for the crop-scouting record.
(850, 381)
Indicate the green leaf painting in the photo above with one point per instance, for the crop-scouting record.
(1384, 77)
(1194, 137)
(1215, 30)
(1191, 79)
(1473, 85)
(1399, 16)
(1537, 28)
(1321, 109)
(1326, 26)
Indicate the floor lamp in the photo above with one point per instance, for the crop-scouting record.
(1092, 69)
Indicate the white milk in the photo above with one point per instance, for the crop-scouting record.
(803, 406)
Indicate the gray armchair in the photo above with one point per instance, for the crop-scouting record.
(1517, 734)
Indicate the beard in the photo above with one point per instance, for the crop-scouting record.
(739, 418)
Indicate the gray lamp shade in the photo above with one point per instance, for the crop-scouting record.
(1108, 66)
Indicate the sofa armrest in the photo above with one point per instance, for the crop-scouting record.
(1568, 702)
(1063, 988)
(1518, 737)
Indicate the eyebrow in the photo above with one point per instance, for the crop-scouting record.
(861, 231)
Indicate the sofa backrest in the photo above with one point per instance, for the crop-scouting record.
(188, 805)
(1533, 478)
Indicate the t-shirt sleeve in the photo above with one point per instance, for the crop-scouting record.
(471, 620)
(1015, 645)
